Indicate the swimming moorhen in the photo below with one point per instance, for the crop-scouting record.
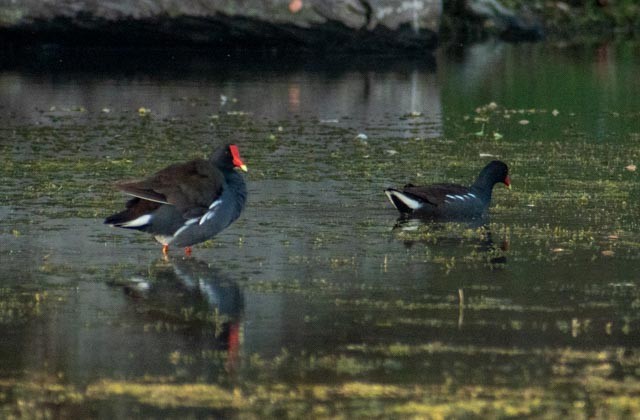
(186, 203)
(450, 200)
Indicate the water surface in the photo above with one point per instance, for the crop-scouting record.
(317, 301)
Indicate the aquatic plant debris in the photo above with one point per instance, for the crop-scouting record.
(318, 302)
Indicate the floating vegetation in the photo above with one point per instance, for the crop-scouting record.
(165, 395)
(340, 310)
(357, 398)
(20, 307)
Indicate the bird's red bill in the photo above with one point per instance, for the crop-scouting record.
(235, 154)
(507, 181)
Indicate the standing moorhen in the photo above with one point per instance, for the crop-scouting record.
(186, 203)
(450, 201)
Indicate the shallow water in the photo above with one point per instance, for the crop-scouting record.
(316, 301)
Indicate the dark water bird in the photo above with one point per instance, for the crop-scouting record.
(450, 201)
(186, 203)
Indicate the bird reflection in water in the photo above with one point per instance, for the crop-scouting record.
(475, 233)
(193, 295)
(447, 233)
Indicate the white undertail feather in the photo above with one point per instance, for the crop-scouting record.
(409, 202)
(137, 222)
(164, 239)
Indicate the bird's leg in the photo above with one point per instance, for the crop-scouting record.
(165, 250)
(187, 251)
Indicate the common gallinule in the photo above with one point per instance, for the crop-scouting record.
(186, 203)
(451, 200)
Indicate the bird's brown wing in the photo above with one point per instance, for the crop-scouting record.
(435, 194)
(191, 187)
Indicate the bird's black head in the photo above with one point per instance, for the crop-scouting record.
(227, 157)
(495, 171)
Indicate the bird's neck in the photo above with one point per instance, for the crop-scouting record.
(482, 188)
(235, 182)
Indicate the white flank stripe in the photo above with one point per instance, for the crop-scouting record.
(208, 215)
(186, 225)
(215, 203)
(464, 197)
(140, 221)
(179, 231)
(212, 211)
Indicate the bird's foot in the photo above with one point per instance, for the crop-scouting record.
(187, 251)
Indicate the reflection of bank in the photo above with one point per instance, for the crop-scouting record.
(383, 96)
(401, 100)
(191, 295)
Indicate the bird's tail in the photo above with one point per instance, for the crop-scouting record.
(404, 202)
(137, 215)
